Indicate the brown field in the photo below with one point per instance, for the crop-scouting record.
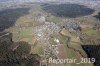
(54, 65)
(78, 56)
(62, 52)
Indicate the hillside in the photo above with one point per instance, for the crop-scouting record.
(16, 53)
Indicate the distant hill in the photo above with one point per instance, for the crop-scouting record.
(3, 0)
(89, 3)
(47, 0)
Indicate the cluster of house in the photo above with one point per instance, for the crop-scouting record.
(72, 26)
(96, 27)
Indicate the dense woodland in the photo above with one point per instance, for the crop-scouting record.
(16, 53)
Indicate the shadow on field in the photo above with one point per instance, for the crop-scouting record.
(93, 51)
(97, 16)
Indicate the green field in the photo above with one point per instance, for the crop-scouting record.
(91, 32)
(37, 49)
(62, 39)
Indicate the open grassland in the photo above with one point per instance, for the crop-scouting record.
(26, 33)
(72, 54)
(92, 38)
(54, 19)
(91, 32)
(73, 35)
(37, 49)
(77, 47)
(62, 39)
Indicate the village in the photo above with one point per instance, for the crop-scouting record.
(48, 35)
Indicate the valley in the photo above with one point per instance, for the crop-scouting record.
(51, 30)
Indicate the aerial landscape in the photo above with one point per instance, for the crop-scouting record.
(49, 32)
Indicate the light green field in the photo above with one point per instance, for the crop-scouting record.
(62, 39)
(37, 49)
(91, 32)
(54, 19)
(26, 33)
